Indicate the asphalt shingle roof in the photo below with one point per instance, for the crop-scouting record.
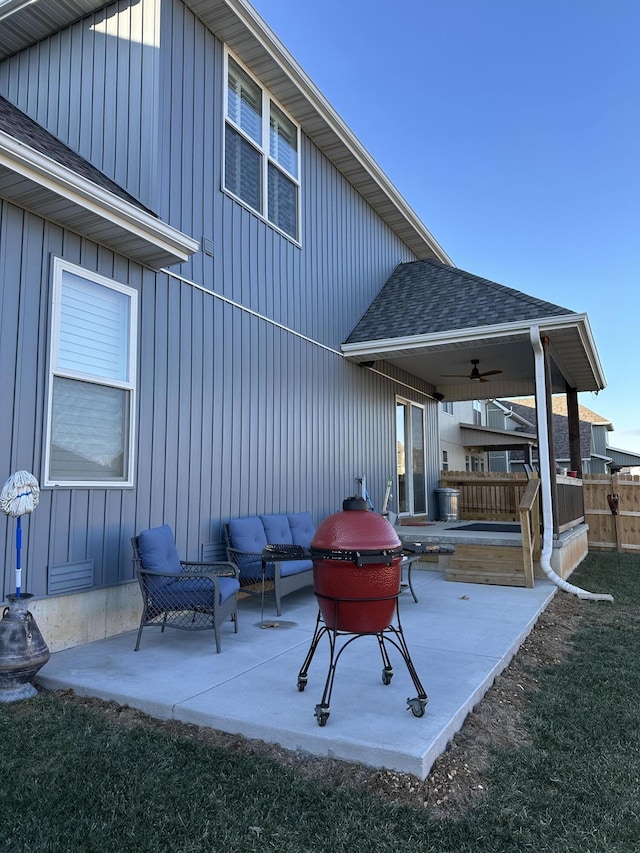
(425, 297)
(24, 129)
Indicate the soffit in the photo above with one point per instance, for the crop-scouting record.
(507, 348)
(41, 185)
(38, 20)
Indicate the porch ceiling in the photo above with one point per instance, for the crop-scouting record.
(505, 347)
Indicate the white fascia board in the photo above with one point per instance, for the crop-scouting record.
(590, 348)
(50, 174)
(439, 339)
(479, 333)
(10, 7)
(279, 53)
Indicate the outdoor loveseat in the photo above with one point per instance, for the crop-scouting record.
(246, 539)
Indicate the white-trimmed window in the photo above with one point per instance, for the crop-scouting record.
(261, 151)
(92, 372)
(447, 407)
(445, 460)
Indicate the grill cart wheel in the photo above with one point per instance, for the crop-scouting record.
(417, 706)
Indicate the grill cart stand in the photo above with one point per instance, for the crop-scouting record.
(391, 634)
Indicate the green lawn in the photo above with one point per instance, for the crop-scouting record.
(72, 780)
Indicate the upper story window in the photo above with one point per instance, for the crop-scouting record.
(447, 407)
(261, 152)
(477, 412)
(92, 370)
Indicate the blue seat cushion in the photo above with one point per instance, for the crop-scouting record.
(198, 592)
(253, 533)
(157, 550)
(247, 534)
(302, 529)
(277, 530)
(294, 567)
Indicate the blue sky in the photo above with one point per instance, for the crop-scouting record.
(512, 127)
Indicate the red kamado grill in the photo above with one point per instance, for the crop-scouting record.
(356, 569)
(357, 559)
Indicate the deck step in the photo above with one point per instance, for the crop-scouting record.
(491, 564)
(479, 576)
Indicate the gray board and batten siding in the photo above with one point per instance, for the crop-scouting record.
(235, 414)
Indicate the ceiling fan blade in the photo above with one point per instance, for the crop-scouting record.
(482, 379)
(490, 372)
(454, 375)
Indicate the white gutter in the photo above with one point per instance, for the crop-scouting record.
(545, 478)
(514, 330)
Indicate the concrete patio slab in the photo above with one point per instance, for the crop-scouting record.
(460, 636)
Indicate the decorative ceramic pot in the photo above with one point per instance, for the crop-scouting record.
(23, 650)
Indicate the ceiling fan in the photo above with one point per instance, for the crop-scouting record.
(475, 375)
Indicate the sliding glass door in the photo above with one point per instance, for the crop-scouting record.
(412, 498)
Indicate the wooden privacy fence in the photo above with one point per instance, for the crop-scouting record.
(609, 532)
(486, 496)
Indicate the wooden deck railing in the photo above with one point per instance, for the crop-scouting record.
(569, 508)
(486, 496)
(497, 496)
(530, 529)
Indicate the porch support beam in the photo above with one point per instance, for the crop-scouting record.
(573, 423)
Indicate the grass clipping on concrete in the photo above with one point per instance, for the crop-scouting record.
(548, 761)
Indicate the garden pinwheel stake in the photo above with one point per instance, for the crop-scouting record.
(19, 496)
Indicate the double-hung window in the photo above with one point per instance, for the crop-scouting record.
(261, 151)
(92, 370)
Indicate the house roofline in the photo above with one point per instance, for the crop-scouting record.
(364, 173)
(148, 239)
(474, 333)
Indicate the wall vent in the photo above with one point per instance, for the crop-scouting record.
(70, 577)
(212, 552)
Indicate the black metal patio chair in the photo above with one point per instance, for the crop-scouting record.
(180, 594)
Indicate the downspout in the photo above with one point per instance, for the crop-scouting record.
(545, 479)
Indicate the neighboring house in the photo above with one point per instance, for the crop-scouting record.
(596, 454)
(483, 436)
(454, 454)
(213, 301)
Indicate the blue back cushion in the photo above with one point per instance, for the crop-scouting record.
(247, 534)
(157, 550)
(277, 529)
(302, 529)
